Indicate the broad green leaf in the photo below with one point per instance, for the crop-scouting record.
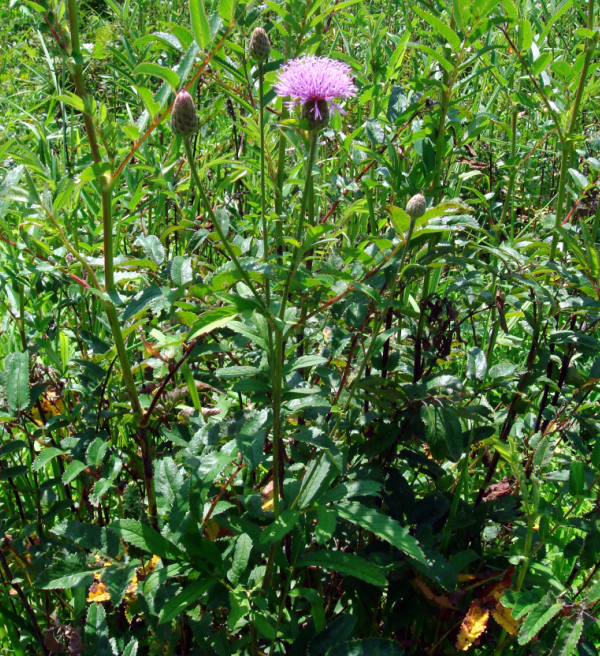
(200, 25)
(96, 632)
(381, 525)
(175, 606)
(538, 618)
(476, 364)
(154, 249)
(576, 478)
(65, 573)
(45, 457)
(16, 367)
(212, 320)
(161, 72)
(568, 636)
(440, 27)
(280, 527)
(146, 538)
(345, 563)
(241, 555)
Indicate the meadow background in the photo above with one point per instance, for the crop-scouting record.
(257, 398)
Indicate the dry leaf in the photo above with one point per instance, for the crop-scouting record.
(98, 593)
(52, 405)
(474, 624)
(504, 618)
(440, 600)
(267, 496)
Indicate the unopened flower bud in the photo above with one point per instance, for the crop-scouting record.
(260, 46)
(316, 112)
(184, 121)
(416, 206)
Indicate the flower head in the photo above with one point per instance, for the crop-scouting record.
(184, 121)
(314, 81)
(260, 46)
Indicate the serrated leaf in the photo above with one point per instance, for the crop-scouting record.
(153, 247)
(96, 632)
(241, 555)
(440, 27)
(280, 527)
(72, 471)
(175, 606)
(538, 618)
(16, 367)
(65, 573)
(45, 457)
(200, 25)
(161, 72)
(212, 320)
(347, 564)
(568, 636)
(476, 364)
(181, 270)
(227, 11)
(145, 537)
(385, 527)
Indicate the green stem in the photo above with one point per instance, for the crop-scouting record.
(567, 143)
(365, 360)
(263, 202)
(216, 224)
(306, 193)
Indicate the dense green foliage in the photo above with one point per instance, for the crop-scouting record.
(250, 405)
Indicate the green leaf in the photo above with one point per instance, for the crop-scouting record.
(476, 364)
(161, 72)
(347, 564)
(543, 452)
(442, 431)
(65, 573)
(168, 483)
(181, 270)
(241, 555)
(117, 578)
(381, 525)
(72, 100)
(399, 219)
(16, 366)
(227, 11)
(145, 537)
(440, 27)
(568, 636)
(280, 527)
(72, 471)
(325, 524)
(200, 25)
(175, 606)
(153, 247)
(367, 647)
(45, 457)
(96, 632)
(538, 618)
(576, 478)
(212, 320)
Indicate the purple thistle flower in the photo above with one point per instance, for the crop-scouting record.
(317, 81)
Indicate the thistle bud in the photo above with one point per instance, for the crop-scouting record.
(260, 46)
(416, 206)
(316, 112)
(184, 121)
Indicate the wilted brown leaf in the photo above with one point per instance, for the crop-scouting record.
(440, 600)
(474, 624)
(504, 618)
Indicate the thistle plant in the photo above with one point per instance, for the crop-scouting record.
(224, 435)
